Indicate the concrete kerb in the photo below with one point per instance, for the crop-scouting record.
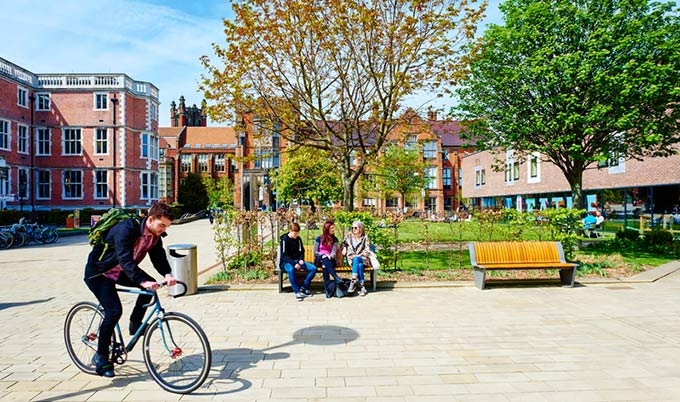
(650, 276)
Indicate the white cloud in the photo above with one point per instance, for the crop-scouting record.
(149, 42)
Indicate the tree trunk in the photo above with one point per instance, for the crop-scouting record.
(347, 193)
(576, 183)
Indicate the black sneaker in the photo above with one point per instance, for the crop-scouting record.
(306, 292)
(103, 366)
(134, 326)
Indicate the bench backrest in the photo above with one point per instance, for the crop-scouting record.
(508, 252)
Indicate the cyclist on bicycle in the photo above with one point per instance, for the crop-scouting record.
(109, 266)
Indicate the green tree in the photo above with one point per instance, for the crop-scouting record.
(400, 170)
(192, 193)
(310, 175)
(332, 74)
(582, 82)
(220, 192)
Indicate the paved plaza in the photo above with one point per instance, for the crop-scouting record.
(596, 342)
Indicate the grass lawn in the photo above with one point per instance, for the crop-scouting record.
(444, 260)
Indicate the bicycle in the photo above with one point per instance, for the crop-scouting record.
(176, 350)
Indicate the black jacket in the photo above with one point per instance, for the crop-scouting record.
(123, 236)
(291, 251)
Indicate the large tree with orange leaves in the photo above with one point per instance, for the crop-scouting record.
(333, 74)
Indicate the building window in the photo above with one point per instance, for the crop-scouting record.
(5, 134)
(186, 163)
(369, 202)
(446, 178)
(431, 204)
(22, 187)
(44, 182)
(411, 143)
(73, 184)
(165, 181)
(431, 177)
(203, 163)
(149, 186)
(154, 111)
(22, 97)
(101, 141)
(266, 158)
(145, 145)
(430, 150)
(219, 163)
(149, 146)
(101, 101)
(480, 177)
(43, 102)
(101, 184)
(392, 202)
(511, 167)
(534, 173)
(72, 141)
(44, 142)
(22, 139)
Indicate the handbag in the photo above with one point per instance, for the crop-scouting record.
(341, 289)
(374, 260)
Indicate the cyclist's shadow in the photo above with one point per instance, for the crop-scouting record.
(228, 364)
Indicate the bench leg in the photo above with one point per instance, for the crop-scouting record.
(568, 276)
(480, 277)
(374, 275)
(281, 281)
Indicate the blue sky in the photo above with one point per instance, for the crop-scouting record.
(153, 40)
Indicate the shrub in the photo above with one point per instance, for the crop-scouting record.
(658, 237)
(628, 234)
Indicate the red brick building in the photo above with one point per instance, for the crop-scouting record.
(77, 140)
(621, 187)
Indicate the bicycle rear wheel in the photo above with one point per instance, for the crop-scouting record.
(81, 334)
(177, 353)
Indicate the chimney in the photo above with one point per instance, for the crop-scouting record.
(432, 115)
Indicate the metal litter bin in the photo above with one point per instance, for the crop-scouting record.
(184, 266)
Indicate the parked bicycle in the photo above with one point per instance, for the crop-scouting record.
(176, 350)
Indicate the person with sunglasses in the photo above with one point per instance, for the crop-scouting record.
(357, 249)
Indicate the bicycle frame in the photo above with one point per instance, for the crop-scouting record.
(156, 311)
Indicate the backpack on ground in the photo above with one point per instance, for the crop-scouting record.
(98, 232)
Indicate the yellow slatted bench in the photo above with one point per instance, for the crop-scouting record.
(519, 255)
(309, 257)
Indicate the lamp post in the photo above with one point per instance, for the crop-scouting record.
(31, 151)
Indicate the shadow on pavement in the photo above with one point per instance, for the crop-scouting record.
(4, 306)
(235, 361)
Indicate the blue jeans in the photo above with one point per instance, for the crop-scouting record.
(358, 268)
(311, 271)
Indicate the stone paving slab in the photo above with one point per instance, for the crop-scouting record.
(595, 342)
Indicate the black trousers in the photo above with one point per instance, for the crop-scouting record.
(104, 290)
(328, 271)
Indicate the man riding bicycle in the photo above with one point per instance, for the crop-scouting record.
(108, 266)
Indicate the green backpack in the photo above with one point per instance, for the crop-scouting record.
(98, 232)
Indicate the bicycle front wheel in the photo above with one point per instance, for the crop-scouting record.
(81, 334)
(177, 353)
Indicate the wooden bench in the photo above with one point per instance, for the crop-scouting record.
(519, 255)
(309, 257)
